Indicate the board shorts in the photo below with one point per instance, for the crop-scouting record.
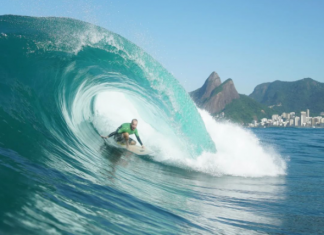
(120, 138)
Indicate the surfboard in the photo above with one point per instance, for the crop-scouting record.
(138, 150)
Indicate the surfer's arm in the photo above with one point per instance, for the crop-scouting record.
(112, 133)
(139, 139)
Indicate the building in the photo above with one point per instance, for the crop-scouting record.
(297, 121)
(316, 121)
(303, 118)
(307, 112)
(308, 121)
(275, 117)
(264, 120)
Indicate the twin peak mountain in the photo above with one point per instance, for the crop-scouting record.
(213, 96)
(266, 99)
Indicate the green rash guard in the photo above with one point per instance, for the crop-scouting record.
(126, 128)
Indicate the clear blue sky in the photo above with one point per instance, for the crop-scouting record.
(250, 41)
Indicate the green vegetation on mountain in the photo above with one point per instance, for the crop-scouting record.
(245, 110)
(291, 96)
(219, 88)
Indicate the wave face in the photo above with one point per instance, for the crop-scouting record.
(65, 64)
(63, 82)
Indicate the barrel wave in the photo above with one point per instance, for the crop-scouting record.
(64, 82)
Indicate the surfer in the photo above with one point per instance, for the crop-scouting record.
(122, 133)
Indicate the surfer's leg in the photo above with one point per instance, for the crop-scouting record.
(131, 141)
(126, 138)
(119, 138)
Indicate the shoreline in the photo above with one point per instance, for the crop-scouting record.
(290, 127)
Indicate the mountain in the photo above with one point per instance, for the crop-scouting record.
(213, 96)
(217, 97)
(246, 109)
(291, 96)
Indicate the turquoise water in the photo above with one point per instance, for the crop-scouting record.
(63, 82)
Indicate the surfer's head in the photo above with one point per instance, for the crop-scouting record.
(134, 124)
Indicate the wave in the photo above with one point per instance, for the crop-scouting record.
(64, 81)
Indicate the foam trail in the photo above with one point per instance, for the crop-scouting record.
(239, 152)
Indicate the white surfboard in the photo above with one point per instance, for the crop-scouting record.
(135, 149)
(132, 148)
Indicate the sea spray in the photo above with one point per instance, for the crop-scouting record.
(239, 152)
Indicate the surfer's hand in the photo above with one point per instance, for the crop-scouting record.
(143, 147)
(104, 137)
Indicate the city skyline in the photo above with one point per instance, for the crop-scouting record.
(291, 120)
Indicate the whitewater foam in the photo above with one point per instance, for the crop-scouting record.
(239, 151)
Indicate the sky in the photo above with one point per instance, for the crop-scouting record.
(250, 41)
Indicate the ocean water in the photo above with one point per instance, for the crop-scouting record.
(63, 82)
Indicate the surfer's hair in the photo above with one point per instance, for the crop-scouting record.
(134, 120)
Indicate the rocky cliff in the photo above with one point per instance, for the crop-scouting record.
(213, 96)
